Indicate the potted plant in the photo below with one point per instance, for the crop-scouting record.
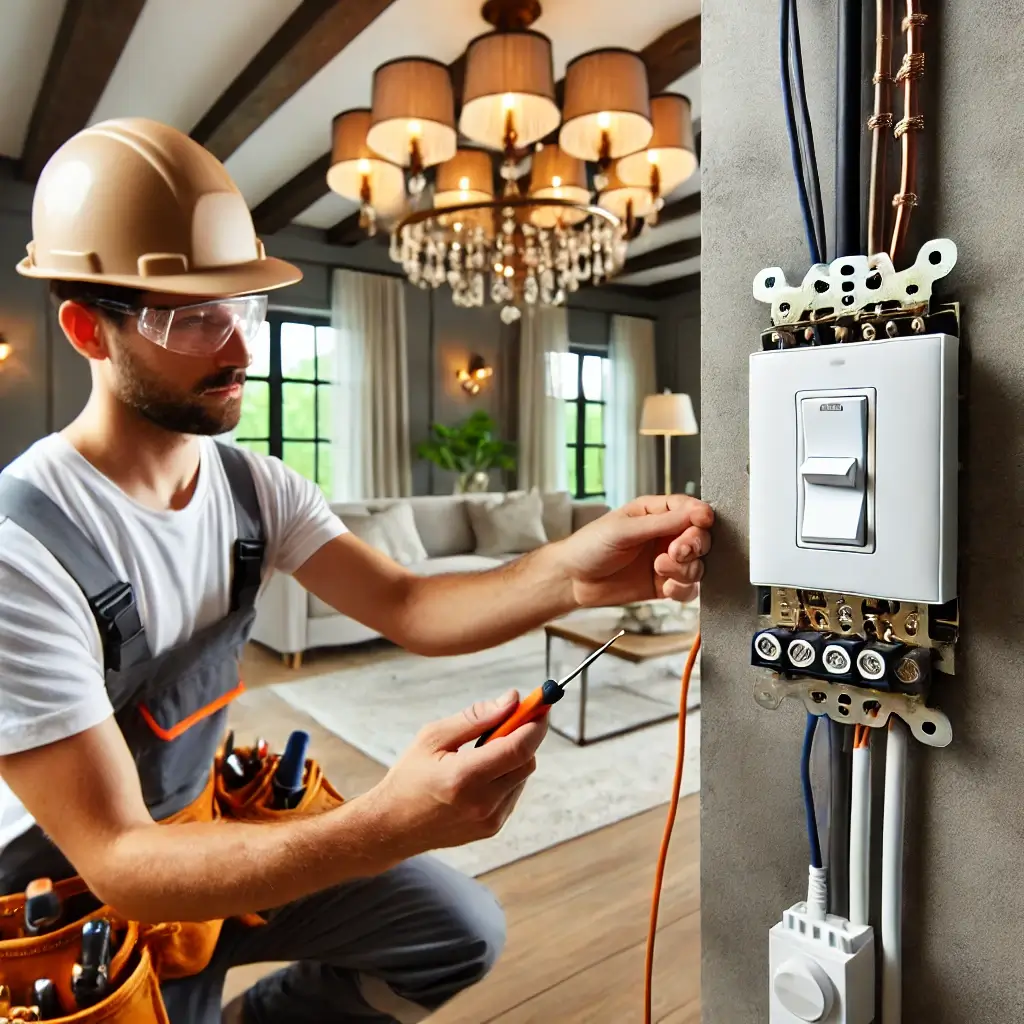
(471, 449)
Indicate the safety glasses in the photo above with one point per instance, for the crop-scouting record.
(197, 330)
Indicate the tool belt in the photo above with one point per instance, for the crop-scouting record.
(141, 955)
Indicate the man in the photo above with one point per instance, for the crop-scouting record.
(129, 564)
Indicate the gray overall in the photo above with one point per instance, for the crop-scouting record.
(387, 949)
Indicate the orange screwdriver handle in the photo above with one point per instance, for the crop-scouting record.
(535, 706)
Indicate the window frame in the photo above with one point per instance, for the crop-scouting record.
(581, 444)
(276, 380)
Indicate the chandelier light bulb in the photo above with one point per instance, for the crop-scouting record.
(604, 120)
(415, 129)
(508, 102)
(653, 156)
(556, 182)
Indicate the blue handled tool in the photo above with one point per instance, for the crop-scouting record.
(89, 977)
(287, 784)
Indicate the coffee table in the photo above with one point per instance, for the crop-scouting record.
(632, 647)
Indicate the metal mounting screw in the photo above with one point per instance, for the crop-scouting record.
(845, 616)
(869, 332)
(911, 624)
(917, 325)
(891, 329)
(842, 333)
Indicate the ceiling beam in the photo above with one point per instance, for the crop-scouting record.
(674, 252)
(314, 34)
(664, 289)
(668, 58)
(89, 42)
(685, 207)
(280, 208)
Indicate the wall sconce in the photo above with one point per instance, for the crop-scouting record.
(5, 349)
(477, 372)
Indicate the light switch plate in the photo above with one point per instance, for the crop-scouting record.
(910, 527)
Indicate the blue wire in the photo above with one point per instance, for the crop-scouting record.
(787, 96)
(805, 776)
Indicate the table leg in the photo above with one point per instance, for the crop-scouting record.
(581, 728)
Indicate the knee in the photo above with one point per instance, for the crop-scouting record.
(482, 932)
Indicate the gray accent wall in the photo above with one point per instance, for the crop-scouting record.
(963, 902)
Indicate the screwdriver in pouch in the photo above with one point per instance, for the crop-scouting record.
(89, 975)
(46, 1000)
(42, 906)
(287, 782)
(537, 704)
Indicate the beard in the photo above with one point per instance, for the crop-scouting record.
(179, 412)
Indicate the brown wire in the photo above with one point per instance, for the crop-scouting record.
(907, 130)
(879, 124)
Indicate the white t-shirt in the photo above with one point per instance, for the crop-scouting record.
(178, 562)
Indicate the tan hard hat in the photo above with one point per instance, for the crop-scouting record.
(136, 203)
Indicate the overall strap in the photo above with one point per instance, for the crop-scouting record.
(250, 547)
(112, 600)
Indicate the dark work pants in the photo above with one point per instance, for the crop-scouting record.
(385, 950)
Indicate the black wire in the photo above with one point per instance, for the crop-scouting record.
(840, 764)
(848, 128)
(806, 134)
(791, 129)
(805, 778)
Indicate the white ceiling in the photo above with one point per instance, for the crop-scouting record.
(182, 54)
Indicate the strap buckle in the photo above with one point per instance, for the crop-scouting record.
(247, 572)
(117, 614)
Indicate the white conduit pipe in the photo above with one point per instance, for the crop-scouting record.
(892, 871)
(860, 836)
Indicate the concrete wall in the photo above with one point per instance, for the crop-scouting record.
(965, 830)
(677, 354)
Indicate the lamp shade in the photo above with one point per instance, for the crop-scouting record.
(467, 178)
(557, 175)
(671, 150)
(669, 414)
(607, 111)
(510, 82)
(617, 196)
(353, 163)
(413, 110)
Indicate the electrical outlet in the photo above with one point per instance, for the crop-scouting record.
(821, 970)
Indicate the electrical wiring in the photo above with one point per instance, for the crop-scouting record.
(847, 239)
(805, 777)
(892, 870)
(785, 15)
(677, 784)
(879, 124)
(860, 826)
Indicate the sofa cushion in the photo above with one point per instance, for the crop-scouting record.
(557, 514)
(514, 524)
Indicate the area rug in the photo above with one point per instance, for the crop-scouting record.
(377, 705)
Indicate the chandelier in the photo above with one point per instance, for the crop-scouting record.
(574, 184)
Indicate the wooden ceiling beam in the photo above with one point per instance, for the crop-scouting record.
(280, 208)
(684, 207)
(314, 34)
(88, 45)
(674, 252)
(664, 289)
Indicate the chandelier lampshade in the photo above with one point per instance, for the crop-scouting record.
(412, 121)
(356, 171)
(557, 175)
(671, 156)
(623, 200)
(467, 178)
(509, 93)
(607, 111)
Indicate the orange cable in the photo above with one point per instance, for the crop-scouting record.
(677, 784)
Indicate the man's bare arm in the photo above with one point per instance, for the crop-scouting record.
(439, 615)
(84, 792)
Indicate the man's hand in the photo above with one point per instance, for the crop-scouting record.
(438, 795)
(653, 547)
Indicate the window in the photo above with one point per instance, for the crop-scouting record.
(583, 391)
(286, 410)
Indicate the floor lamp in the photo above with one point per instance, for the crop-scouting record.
(669, 415)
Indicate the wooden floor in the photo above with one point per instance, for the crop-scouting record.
(577, 913)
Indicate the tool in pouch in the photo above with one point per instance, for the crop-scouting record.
(538, 703)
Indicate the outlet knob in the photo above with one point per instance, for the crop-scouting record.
(804, 989)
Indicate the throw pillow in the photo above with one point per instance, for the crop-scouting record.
(557, 514)
(403, 538)
(509, 526)
(369, 529)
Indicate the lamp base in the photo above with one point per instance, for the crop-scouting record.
(508, 15)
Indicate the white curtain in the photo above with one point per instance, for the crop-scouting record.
(371, 400)
(630, 459)
(543, 353)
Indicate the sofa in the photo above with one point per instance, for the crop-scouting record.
(431, 535)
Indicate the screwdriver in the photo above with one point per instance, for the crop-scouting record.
(89, 975)
(45, 998)
(287, 782)
(538, 703)
(42, 906)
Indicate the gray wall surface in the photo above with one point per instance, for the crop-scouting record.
(965, 831)
(677, 354)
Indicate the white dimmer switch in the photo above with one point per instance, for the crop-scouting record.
(854, 466)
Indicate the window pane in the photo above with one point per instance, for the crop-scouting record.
(593, 377)
(327, 362)
(260, 366)
(325, 476)
(570, 454)
(255, 419)
(259, 447)
(594, 424)
(298, 343)
(297, 416)
(565, 371)
(300, 457)
(571, 415)
(325, 398)
(593, 470)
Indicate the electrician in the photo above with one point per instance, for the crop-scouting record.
(132, 549)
